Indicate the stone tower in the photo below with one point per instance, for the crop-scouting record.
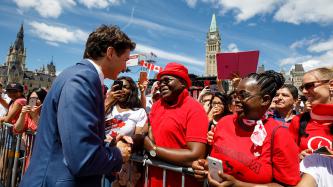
(51, 69)
(15, 60)
(213, 46)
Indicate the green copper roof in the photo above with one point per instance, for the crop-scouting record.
(213, 26)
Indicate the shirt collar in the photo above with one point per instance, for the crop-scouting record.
(99, 71)
(182, 96)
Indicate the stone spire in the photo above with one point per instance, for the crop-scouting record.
(213, 26)
(19, 44)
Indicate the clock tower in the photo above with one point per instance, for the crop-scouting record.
(213, 46)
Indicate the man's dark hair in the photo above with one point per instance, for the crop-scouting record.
(292, 89)
(104, 37)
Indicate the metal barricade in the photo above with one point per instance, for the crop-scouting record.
(160, 164)
(11, 165)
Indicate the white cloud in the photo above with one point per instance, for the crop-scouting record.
(322, 46)
(100, 3)
(233, 47)
(191, 3)
(303, 43)
(54, 35)
(305, 11)
(245, 9)
(320, 54)
(168, 55)
(46, 8)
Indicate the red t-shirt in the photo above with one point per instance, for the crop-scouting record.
(232, 145)
(173, 127)
(20, 101)
(318, 131)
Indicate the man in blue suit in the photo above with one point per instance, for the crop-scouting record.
(69, 147)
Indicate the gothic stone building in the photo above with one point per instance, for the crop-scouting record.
(14, 69)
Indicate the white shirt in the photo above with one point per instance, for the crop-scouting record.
(320, 167)
(124, 123)
(99, 70)
(3, 110)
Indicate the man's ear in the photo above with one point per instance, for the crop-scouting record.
(266, 100)
(110, 51)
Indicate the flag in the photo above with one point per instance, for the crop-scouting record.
(150, 66)
(133, 60)
(157, 68)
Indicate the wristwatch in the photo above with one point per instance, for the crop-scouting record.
(153, 152)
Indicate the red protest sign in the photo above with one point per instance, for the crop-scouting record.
(239, 63)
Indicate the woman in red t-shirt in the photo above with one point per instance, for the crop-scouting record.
(314, 129)
(253, 148)
(29, 115)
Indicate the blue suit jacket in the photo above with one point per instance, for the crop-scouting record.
(69, 149)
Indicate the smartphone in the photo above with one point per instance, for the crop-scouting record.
(32, 101)
(143, 76)
(214, 166)
(119, 85)
(322, 150)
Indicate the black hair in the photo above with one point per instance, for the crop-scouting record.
(226, 100)
(133, 102)
(41, 94)
(292, 89)
(268, 81)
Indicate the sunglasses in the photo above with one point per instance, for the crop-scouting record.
(165, 80)
(311, 85)
(243, 95)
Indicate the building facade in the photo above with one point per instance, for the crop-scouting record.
(14, 69)
(213, 46)
(297, 72)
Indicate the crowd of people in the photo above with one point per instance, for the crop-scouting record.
(264, 131)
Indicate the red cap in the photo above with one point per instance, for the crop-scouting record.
(177, 70)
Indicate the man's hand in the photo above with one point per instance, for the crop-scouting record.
(125, 149)
(200, 168)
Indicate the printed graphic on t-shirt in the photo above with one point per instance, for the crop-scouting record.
(319, 141)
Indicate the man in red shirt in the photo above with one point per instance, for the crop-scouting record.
(179, 126)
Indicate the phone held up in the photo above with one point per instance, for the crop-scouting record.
(143, 77)
(32, 101)
(118, 84)
(214, 166)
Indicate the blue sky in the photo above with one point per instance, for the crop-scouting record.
(285, 31)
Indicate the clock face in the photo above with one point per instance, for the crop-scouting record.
(212, 36)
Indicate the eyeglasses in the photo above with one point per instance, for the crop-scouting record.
(243, 95)
(165, 80)
(217, 104)
(311, 85)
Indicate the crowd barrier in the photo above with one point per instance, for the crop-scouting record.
(16, 150)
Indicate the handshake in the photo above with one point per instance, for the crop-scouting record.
(126, 144)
